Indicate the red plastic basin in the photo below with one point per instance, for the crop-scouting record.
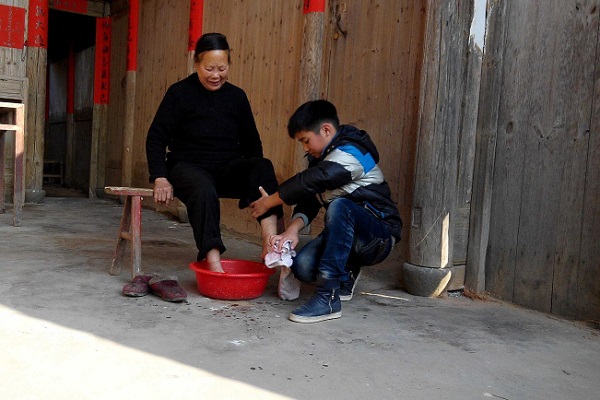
(242, 280)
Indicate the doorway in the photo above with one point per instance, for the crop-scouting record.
(70, 80)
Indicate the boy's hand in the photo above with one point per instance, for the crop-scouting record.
(260, 206)
(291, 234)
(277, 241)
(163, 191)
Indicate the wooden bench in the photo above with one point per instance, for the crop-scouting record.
(12, 118)
(130, 228)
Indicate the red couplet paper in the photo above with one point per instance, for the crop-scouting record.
(12, 27)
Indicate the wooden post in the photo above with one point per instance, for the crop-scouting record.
(130, 89)
(101, 99)
(434, 206)
(310, 67)
(311, 62)
(37, 61)
(467, 139)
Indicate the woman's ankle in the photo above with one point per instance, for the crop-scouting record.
(213, 258)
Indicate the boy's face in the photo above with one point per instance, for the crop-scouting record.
(313, 143)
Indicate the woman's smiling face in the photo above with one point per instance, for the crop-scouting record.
(212, 69)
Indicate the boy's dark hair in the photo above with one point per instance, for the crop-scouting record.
(211, 41)
(310, 115)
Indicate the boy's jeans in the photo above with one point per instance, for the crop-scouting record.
(352, 236)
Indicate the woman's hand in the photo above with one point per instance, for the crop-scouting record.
(163, 191)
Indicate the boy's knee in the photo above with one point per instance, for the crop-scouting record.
(338, 208)
(303, 271)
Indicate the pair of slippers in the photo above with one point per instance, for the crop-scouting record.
(165, 287)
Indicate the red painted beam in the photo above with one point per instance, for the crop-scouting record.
(132, 38)
(196, 15)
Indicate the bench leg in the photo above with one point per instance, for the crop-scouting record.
(136, 237)
(115, 268)
(19, 168)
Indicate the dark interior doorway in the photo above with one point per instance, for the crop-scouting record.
(70, 76)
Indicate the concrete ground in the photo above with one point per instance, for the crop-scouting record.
(66, 332)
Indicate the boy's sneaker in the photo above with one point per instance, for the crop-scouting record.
(324, 305)
(347, 287)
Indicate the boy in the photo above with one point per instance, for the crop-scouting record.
(362, 222)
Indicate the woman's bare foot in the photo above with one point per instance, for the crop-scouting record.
(214, 260)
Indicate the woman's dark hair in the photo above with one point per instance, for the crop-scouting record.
(211, 41)
(310, 115)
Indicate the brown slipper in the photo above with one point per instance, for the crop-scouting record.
(167, 289)
(138, 286)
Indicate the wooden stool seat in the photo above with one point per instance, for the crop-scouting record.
(130, 228)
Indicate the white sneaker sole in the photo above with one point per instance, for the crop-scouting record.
(309, 320)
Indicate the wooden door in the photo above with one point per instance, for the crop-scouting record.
(543, 248)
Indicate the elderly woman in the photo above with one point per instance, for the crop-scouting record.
(203, 145)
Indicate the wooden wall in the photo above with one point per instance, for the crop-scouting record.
(543, 249)
(372, 71)
(12, 64)
(537, 158)
(116, 107)
(266, 41)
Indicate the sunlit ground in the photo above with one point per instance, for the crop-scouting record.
(42, 360)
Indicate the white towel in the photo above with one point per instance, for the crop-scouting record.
(275, 258)
(289, 286)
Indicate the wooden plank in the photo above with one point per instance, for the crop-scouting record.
(13, 88)
(466, 151)
(37, 64)
(572, 111)
(128, 191)
(116, 107)
(162, 62)
(588, 273)
(485, 148)
(94, 8)
(508, 163)
(553, 172)
(98, 150)
(536, 249)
